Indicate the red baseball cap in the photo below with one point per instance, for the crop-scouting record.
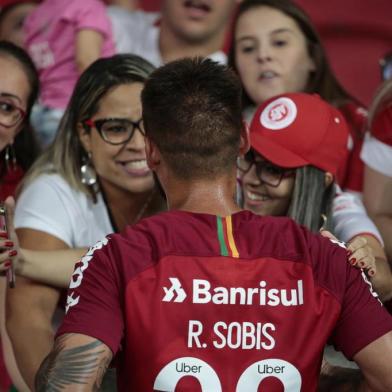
(297, 129)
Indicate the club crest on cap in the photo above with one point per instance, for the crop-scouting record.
(279, 114)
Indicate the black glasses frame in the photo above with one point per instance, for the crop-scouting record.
(98, 124)
(250, 159)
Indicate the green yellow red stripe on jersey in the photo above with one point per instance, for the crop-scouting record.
(225, 236)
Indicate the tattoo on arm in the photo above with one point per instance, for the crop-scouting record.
(64, 367)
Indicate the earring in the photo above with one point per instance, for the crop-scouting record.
(87, 172)
(10, 157)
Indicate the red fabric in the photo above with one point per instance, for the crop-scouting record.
(297, 129)
(5, 381)
(382, 126)
(151, 5)
(350, 176)
(10, 182)
(356, 34)
(166, 278)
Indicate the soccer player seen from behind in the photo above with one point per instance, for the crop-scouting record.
(206, 296)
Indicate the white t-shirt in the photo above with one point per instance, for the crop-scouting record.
(349, 217)
(137, 32)
(377, 155)
(50, 205)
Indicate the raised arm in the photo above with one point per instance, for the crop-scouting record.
(40, 265)
(76, 363)
(88, 48)
(30, 309)
(49, 267)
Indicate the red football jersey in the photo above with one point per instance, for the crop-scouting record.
(196, 302)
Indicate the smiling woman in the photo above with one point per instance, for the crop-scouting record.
(18, 91)
(92, 181)
(19, 87)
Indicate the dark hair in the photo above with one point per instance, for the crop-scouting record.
(311, 198)
(192, 111)
(322, 81)
(25, 145)
(66, 154)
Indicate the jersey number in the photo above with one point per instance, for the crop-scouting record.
(249, 380)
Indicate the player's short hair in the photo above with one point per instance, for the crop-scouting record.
(192, 112)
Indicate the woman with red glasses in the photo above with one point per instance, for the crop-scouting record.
(93, 180)
(19, 87)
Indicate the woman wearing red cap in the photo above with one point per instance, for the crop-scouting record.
(298, 143)
(276, 50)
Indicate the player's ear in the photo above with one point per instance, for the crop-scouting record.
(153, 155)
(244, 139)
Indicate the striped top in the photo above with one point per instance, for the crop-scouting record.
(226, 237)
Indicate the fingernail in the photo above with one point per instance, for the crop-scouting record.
(361, 264)
(353, 261)
(12, 253)
(9, 243)
(371, 272)
(7, 264)
(3, 234)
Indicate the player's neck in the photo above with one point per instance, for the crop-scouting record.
(173, 47)
(216, 197)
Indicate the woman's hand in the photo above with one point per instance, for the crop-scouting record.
(359, 253)
(9, 246)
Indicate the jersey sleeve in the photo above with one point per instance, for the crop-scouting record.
(350, 218)
(94, 304)
(44, 206)
(362, 318)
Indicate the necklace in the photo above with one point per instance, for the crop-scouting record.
(144, 207)
(138, 216)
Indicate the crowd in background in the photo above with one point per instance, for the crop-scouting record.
(72, 141)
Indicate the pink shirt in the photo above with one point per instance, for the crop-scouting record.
(50, 40)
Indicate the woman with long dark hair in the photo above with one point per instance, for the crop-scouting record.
(19, 87)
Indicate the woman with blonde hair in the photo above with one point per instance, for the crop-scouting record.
(92, 181)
